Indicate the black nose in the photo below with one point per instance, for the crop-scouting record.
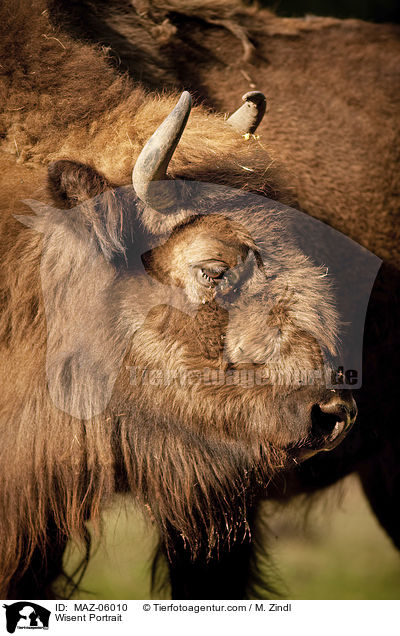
(331, 420)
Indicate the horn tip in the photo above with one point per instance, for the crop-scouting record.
(186, 99)
(254, 96)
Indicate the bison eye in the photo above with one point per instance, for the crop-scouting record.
(210, 273)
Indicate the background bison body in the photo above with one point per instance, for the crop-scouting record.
(331, 87)
(62, 100)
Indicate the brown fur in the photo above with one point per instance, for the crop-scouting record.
(158, 443)
(331, 85)
(193, 463)
(44, 116)
(333, 120)
(61, 99)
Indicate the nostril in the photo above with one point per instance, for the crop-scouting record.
(353, 412)
(332, 417)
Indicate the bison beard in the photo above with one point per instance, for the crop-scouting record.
(63, 470)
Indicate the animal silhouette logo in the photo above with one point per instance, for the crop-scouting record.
(26, 615)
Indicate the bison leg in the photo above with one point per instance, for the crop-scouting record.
(45, 566)
(236, 572)
(220, 577)
(380, 478)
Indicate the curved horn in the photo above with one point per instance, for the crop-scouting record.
(152, 163)
(249, 115)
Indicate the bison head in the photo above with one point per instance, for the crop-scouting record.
(186, 316)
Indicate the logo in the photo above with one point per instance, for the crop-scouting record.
(26, 615)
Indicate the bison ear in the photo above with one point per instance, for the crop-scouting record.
(72, 182)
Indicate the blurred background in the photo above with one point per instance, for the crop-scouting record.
(375, 10)
(334, 550)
